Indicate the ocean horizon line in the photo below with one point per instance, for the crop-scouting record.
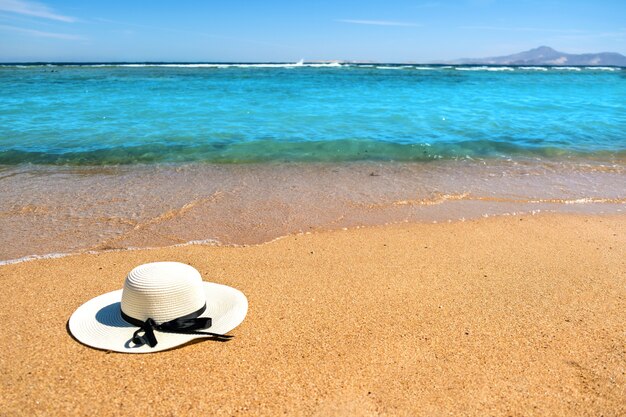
(302, 62)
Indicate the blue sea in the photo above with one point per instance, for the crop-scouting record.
(117, 156)
(105, 114)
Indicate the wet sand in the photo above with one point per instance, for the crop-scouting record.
(59, 209)
(500, 316)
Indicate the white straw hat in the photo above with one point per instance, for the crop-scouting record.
(162, 305)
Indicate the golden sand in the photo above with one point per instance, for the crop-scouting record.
(500, 316)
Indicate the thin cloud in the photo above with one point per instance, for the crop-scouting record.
(520, 29)
(32, 8)
(41, 34)
(377, 22)
(117, 22)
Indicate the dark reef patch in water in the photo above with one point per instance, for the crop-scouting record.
(312, 151)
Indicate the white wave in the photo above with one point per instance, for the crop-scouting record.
(34, 258)
(146, 65)
(583, 200)
(603, 68)
(566, 68)
(171, 65)
(329, 64)
(533, 68)
(211, 242)
(500, 69)
(427, 68)
(208, 242)
(484, 68)
(295, 65)
(262, 65)
(300, 63)
(588, 200)
(388, 68)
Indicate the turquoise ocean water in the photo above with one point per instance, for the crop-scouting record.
(126, 114)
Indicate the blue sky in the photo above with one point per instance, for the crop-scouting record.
(279, 30)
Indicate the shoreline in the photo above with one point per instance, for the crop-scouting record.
(214, 243)
(47, 210)
(504, 315)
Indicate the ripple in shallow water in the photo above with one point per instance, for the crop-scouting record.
(69, 209)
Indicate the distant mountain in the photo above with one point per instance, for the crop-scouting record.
(544, 55)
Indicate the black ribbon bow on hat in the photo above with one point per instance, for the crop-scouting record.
(189, 324)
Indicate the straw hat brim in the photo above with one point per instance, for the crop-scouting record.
(99, 324)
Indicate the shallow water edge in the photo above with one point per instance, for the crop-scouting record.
(57, 209)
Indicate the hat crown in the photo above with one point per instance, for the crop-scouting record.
(162, 291)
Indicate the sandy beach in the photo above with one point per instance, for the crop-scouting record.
(499, 316)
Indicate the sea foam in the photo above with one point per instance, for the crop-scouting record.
(485, 68)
